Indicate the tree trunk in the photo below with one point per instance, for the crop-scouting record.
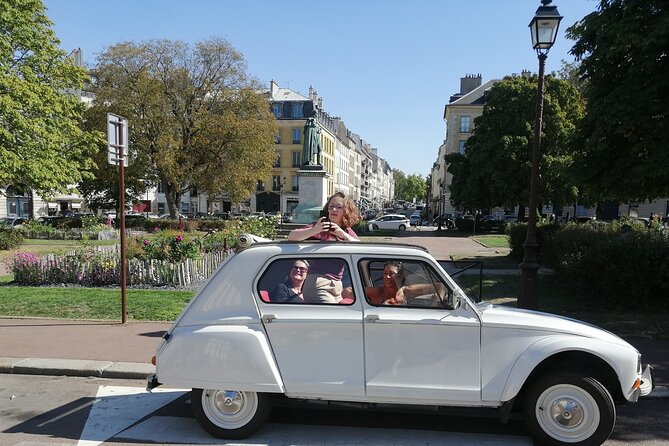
(173, 197)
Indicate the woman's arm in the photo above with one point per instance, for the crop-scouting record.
(408, 292)
(306, 232)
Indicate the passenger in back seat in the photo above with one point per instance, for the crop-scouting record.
(290, 290)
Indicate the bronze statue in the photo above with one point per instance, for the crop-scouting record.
(312, 143)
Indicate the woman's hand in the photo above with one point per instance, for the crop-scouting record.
(322, 225)
(399, 298)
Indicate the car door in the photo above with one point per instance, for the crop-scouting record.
(422, 352)
(318, 347)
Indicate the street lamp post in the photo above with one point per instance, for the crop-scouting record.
(543, 28)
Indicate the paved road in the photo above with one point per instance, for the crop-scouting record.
(45, 411)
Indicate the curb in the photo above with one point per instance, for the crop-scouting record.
(75, 367)
(126, 370)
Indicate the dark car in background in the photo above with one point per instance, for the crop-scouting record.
(13, 221)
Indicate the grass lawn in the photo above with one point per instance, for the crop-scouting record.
(90, 303)
(493, 241)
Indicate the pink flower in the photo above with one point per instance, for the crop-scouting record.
(156, 229)
(179, 238)
(146, 242)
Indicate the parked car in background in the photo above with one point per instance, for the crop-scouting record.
(238, 347)
(287, 217)
(414, 220)
(395, 222)
(12, 221)
(510, 218)
(446, 221)
(182, 216)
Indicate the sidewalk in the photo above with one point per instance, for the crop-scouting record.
(114, 350)
(79, 348)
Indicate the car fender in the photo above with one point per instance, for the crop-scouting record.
(226, 356)
(622, 359)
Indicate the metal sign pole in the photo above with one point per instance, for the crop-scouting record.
(121, 180)
(117, 140)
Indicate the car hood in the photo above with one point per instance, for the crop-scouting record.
(508, 317)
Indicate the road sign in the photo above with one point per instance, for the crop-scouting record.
(117, 139)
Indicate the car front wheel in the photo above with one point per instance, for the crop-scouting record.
(229, 413)
(402, 228)
(567, 409)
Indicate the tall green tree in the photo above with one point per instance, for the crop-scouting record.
(193, 112)
(623, 51)
(495, 169)
(408, 187)
(42, 146)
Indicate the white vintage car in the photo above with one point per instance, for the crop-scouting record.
(237, 348)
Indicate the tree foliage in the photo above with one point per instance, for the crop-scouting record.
(193, 113)
(495, 169)
(408, 187)
(41, 144)
(623, 48)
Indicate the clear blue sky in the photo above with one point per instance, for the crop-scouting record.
(386, 67)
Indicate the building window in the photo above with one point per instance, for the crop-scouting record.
(277, 108)
(295, 183)
(277, 161)
(461, 147)
(297, 158)
(260, 186)
(296, 110)
(276, 183)
(297, 133)
(465, 123)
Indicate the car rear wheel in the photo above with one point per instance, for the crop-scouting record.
(229, 413)
(567, 409)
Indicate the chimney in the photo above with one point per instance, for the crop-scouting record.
(526, 74)
(312, 93)
(273, 87)
(469, 83)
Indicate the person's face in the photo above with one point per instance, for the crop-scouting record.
(298, 272)
(389, 273)
(336, 209)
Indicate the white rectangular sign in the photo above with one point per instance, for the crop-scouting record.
(117, 138)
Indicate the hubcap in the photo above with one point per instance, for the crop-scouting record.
(566, 412)
(229, 402)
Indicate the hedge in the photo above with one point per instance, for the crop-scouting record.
(618, 264)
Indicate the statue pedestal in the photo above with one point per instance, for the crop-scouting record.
(313, 194)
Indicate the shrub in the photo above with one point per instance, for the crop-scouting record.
(167, 245)
(619, 264)
(26, 268)
(10, 238)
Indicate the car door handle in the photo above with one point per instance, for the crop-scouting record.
(372, 317)
(268, 318)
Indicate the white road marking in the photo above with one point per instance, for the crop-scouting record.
(115, 408)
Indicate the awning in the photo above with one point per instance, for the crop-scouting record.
(76, 205)
(52, 205)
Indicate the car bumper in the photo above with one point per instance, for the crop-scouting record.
(646, 385)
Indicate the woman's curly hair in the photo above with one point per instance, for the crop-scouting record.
(350, 214)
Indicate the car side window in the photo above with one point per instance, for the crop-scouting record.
(410, 283)
(307, 280)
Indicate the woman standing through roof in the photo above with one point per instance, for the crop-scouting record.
(325, 275)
